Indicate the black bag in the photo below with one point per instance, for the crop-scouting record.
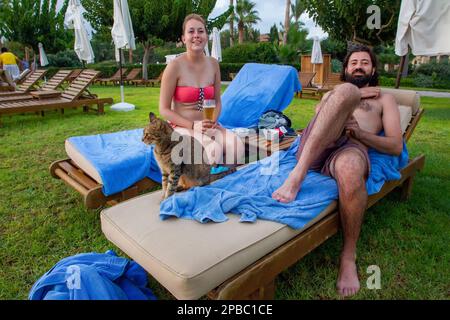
(273, 119)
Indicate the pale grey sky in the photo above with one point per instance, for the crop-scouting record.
(270, 12)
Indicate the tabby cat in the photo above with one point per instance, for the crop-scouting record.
(177, 177)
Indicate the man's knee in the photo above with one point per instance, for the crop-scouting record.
(348, 94)
(349, 170)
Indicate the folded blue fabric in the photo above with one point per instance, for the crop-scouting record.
(248, 191)
(256, 89)
(93, 276)
(120, 158)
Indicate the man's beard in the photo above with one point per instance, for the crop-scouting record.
(359, 81)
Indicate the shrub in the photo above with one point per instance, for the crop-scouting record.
(250, 52)
(67, 58)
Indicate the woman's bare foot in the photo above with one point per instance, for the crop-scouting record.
(348, 282)
(288, 190)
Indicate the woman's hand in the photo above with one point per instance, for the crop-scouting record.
(204, 125)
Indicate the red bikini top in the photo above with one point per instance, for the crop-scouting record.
(193, 94)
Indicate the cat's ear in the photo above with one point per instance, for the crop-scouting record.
(152, 116)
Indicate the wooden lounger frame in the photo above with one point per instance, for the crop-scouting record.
(76, 95)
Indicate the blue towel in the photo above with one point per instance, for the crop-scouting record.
(120, 158)
(93, 276)
(256, 89)
(248, 191)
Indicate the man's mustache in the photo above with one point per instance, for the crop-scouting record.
(358, 70)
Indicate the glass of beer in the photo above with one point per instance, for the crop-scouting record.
(209, 107)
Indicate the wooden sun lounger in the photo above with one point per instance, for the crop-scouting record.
(317, 93)
(132, 226)
(115, 78)
(76, 95)
(255, 281)
(56, 81)
(91, 190)
(305, 79)
(29, 84)
(151, 82)
(132, 75)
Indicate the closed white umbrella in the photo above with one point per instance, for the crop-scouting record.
(216, 50)
(316, 54)
(42, 56)
(74, 20)
(123, 37)
(422, 26)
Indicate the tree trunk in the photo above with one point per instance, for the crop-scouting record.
(286, 21)
(232, 25)
(241, 32)
(147, 50)
(130, 56)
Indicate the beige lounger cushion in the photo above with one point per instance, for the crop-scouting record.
(408, 98)
(405, 117)
(82, 162)
(187, 257)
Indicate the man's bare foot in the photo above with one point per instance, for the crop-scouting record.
(348, 282)
(288, 191)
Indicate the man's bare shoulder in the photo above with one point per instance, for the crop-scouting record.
(387, 97)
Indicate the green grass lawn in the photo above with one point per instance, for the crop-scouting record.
(43, 221)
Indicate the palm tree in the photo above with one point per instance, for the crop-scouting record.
(287, 21)
(246, 16)
(297, 9)
(231, 25)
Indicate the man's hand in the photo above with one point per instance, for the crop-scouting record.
(370, 92)
(352, 128)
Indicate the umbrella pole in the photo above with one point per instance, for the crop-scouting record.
(121, 78)
(400, 70)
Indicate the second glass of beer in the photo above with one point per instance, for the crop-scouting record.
(209, 107)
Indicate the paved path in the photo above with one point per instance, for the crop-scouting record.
(434, 94)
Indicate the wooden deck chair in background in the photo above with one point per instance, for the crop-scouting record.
(132, 75)
(114, 79)
(246, 265)
(50, 86)
(305, 79)
(30, 83)
(152, 82)
(76, 95)
(330, 82)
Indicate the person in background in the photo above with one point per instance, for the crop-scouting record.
(11, 63)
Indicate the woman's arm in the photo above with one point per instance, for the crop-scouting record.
(168, 84)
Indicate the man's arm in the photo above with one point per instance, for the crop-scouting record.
(392, 142)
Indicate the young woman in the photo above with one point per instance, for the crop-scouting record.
(187, 81)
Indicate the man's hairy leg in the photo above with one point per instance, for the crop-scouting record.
(349, 170)
(327, 128)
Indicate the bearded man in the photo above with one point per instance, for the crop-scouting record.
(347, 122)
